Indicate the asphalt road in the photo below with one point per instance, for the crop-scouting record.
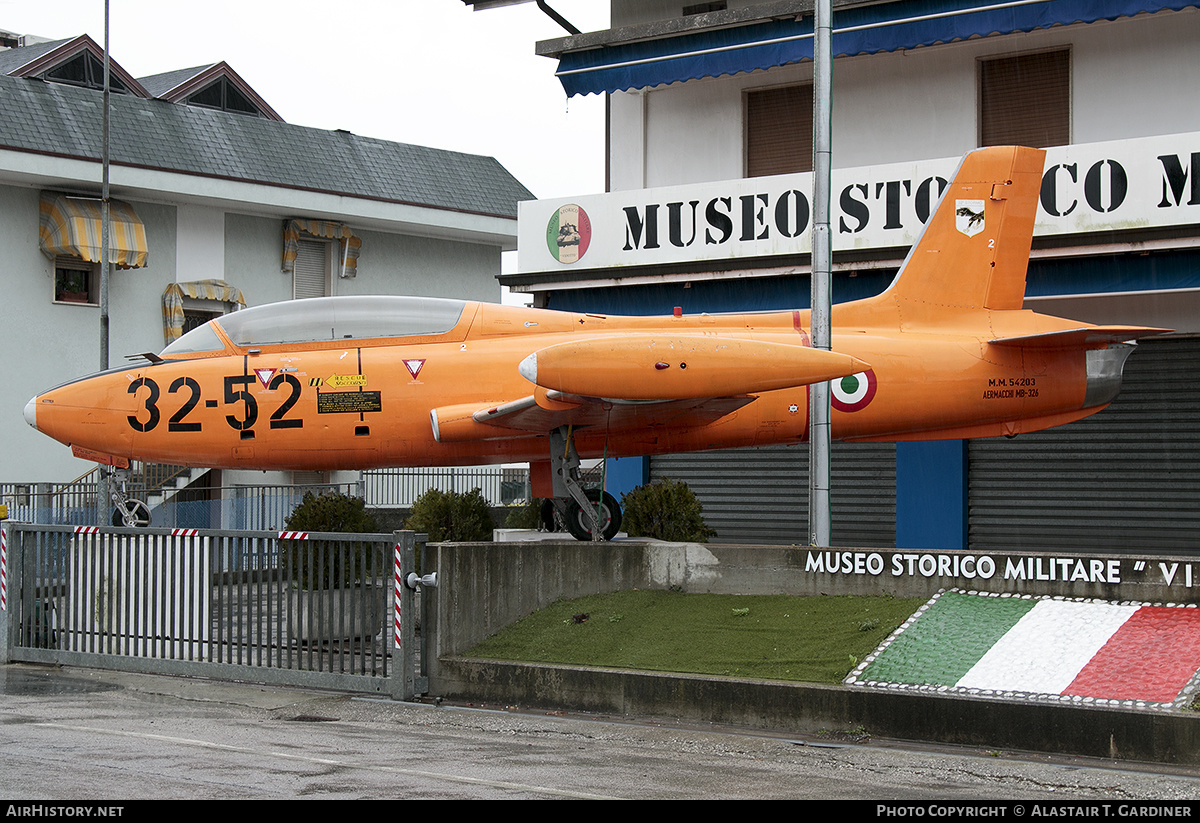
(86, 735)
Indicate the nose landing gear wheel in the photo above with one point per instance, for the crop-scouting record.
(610, 516)
(131, 513)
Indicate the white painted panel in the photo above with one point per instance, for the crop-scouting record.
(199, 243)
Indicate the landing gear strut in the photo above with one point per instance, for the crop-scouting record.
(588, 514)
(127, 511)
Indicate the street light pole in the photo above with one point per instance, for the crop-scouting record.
(819, 511)
(104, 228)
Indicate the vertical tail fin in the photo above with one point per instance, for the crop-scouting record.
(974, 251)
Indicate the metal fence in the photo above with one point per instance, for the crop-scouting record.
(266, 507)
(81, 502)
(227, 507)
(75, 502)
(292, 608)
(399, 488)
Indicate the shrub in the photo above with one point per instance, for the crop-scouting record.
(332, 512)
(666, 510)
(319, 564)
(452, 517)
(524, 516)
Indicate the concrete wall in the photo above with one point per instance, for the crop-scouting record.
(487, 586)
(800, 708)
(484, 587)
(388, 264)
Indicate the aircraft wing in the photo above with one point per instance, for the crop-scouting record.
(543, 411)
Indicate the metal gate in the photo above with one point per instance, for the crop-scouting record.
(760, 495)
(289, 608)
(1125, 479)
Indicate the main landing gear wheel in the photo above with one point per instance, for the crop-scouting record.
(578, 523)
(131, 513)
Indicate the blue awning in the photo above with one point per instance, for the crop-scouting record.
(862, 30)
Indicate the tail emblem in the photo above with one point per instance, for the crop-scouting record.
(968, 216)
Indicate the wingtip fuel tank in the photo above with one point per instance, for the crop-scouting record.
(680, 367)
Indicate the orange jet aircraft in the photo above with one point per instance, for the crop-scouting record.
(364, 382)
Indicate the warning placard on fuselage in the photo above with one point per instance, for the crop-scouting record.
(348, 402)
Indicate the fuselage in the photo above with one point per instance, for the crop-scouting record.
(276, 396)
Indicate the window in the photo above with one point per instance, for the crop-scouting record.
(779, 130)
(311, 275)
(87, 70)
(76, 281)
(307, 478)
(194, 318)
(313, 250)
(1025, 100)
(225, 96)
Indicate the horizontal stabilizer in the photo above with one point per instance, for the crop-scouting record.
(1082, 337)
(640, 367)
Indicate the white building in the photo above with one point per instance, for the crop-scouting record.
(708, 104)
(209, 184)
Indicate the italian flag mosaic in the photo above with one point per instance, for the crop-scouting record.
(1024, 647)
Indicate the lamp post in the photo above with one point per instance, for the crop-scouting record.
(819, 512)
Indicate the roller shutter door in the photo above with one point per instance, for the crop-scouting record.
(311, 275)
(1126, 479)
(761, 495)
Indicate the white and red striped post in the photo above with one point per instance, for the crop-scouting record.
(398, 599)
(3, 569)
(403, 672)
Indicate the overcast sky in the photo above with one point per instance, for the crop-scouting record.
(430, 72)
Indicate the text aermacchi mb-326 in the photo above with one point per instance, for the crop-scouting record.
(946, 351)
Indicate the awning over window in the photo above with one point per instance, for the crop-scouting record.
(348, 250)
(70, 227)
(199, 289)
(861, 30)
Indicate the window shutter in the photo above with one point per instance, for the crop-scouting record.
(1025, 100)
(311, 277)
(779, 131)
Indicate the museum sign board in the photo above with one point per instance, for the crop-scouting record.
(1116, 186)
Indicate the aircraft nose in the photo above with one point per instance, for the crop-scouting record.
(30, 412)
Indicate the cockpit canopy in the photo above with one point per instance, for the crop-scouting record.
(325, 318)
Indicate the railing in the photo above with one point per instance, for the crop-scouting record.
(74, 502)
(241, 507)
(171, 601)
(79, 503)
(399, 488)
(230, 507)
(146, 478)
(268, 507)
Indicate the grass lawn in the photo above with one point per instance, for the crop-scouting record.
(772, 637)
